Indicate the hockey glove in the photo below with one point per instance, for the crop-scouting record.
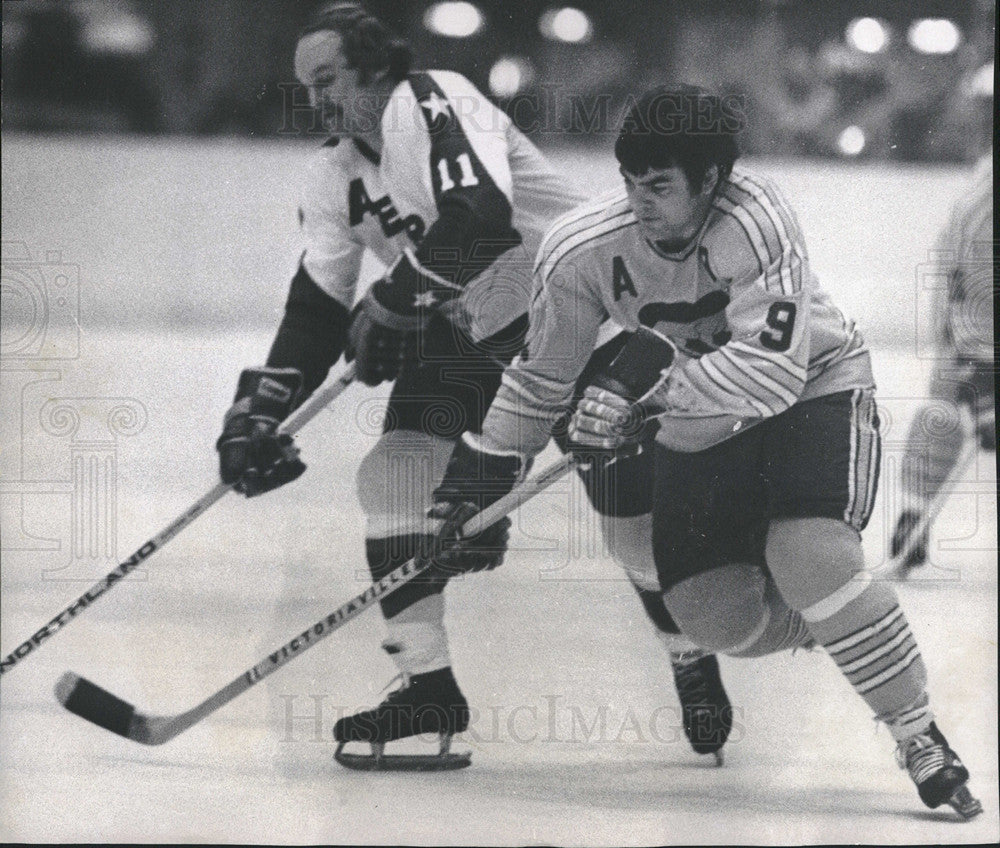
(253, 457)
(986, 431)
(473, 480)
(389, 318)
(614, 416)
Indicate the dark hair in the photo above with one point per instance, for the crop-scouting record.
(369, 45)
(683, 125)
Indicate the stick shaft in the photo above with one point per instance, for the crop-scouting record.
(299, 644)
(937, 504)
(292, 424)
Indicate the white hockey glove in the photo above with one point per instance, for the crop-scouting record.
(614, 413)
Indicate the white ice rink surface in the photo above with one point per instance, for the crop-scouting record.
(577, 740)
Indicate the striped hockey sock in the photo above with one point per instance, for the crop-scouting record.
(866, 633)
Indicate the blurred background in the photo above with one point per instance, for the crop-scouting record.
(877, 80)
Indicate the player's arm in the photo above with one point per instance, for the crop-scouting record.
(761, 371)
(471, 183)
(536, 388)
(564, 318)
(310, 338)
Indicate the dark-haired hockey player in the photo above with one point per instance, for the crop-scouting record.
(767, 449)
(427, 174)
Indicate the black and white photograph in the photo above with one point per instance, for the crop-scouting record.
(498, 422)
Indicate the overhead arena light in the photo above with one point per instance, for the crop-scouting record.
(509, 75)
(567, 24)
(934, 35)
(869, 35)
(851, 141)
(454, 19)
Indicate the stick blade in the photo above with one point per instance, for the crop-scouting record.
(96, 705)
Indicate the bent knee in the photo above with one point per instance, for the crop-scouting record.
(396, 478)
(811, 558)
(720, 610)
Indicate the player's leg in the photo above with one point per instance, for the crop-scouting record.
(708, 537)
(446, 391)
(937, 438)
(821, 460)
(622, 496)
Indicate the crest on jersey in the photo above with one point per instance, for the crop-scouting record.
(697, 328)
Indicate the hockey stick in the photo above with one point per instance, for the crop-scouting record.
(100, 707)
(291, 425)
(896, 566)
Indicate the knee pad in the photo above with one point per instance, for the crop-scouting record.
(812, 558)
(395, 481)
(722, 609)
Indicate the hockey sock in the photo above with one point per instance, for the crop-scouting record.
(817, 564)
(414, 613)
(417, 640)
(865, 632)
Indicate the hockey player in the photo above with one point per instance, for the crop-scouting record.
(964, 370)
(767, 446)
(426, 173)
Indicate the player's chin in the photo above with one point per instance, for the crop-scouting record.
(651, 228)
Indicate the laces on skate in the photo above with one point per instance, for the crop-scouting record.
(706, 712)
(938, 773)
(424, 704)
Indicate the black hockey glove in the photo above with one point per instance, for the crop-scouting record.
(253, 458)
(616, 413)
(473, 481)
(388, 319)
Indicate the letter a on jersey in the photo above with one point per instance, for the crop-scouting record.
(621, 280)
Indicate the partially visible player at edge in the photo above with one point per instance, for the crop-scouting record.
(426, 173)
(965, 363)
(767, 453)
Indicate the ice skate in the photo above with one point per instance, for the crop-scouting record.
(938, 772)
(429, 703)
(908, 522)
(705, 708)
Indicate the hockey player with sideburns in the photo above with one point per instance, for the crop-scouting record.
(766, 451)
(426, 173)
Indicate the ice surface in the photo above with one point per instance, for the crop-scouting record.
(576, 740)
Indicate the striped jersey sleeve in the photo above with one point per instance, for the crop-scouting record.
(755, 242)
(565, 318)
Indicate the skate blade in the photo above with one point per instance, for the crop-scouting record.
(720, 760)
(377, 760)
(964, 804)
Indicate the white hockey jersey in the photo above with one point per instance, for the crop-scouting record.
(755, 333)
(357, 199)
(964, 256)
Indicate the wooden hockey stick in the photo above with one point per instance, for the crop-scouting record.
(896, 566)
(318, 401)
(97, 705)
